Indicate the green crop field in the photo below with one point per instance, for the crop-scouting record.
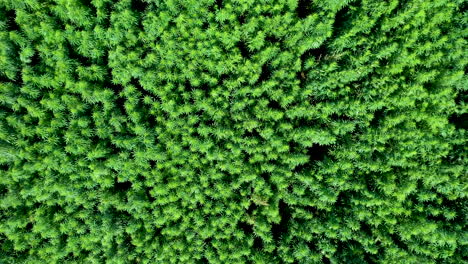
(234, 131)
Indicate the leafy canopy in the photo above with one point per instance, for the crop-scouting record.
(233, 131)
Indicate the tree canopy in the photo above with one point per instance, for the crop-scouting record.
(233, 131)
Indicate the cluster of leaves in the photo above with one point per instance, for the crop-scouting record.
(233, 131)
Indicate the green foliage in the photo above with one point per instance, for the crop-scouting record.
(233, 131)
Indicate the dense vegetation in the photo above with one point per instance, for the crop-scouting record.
(233, 131)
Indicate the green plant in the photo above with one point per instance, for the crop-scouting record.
(233, 131)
